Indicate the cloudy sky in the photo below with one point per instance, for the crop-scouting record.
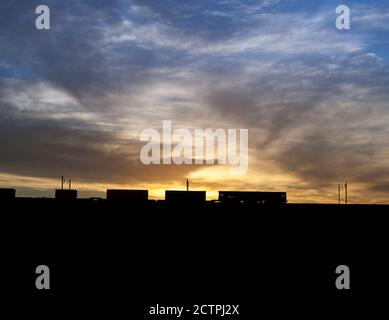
(74, 99)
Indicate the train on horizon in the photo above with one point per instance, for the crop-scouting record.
(177, 196)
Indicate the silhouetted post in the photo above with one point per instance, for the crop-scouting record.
(70, 184)
(187, 184)
(345, 192)
(62, 180)
(338, 193)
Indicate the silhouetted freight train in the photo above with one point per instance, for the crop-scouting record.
(175, 196)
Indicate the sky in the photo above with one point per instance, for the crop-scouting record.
(315, 99)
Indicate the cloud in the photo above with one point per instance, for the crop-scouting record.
(267, 34)
(55, 148)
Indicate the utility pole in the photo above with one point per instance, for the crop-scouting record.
(345, 192)
(187, 184)
(338, 193)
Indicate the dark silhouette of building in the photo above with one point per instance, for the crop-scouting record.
(129, 195)
(253, 197)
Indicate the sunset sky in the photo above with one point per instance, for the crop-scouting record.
(74, 99)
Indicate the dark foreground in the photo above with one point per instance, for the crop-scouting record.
(186, 253)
